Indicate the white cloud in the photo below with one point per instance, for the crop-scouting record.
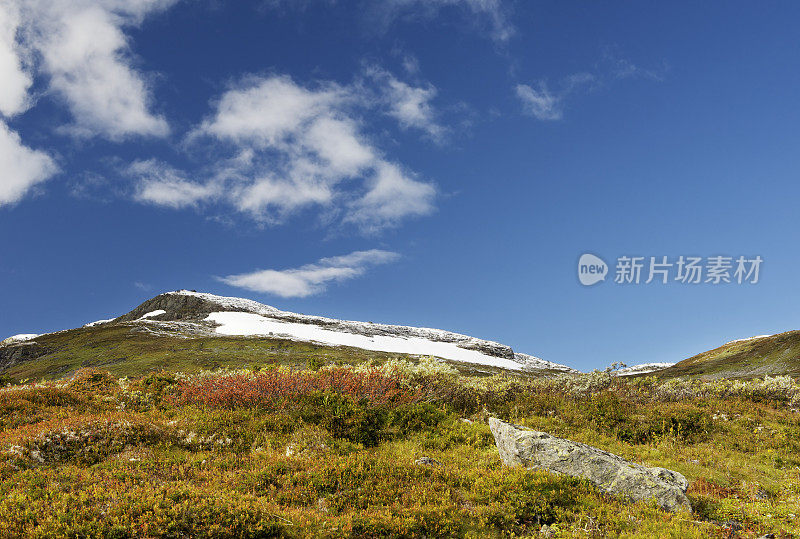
(289, 147)
(299, 145)
(81, 49)
(544, 104)
(338, 143)
(21, 168)
(15, 79)
(540, 103)
(292, 148)
(409, 105)
(490, 13)
(311, 279)
(265, 112)
(273, 199)
(392, 196)
(162, 185)
(86, 58)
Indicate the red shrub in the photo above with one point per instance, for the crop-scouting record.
(275, 389)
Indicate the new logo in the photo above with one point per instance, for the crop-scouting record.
(591, 269)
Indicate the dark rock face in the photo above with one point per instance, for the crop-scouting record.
(13, 354)
(177, 306)
(519, 446)
(490, 349)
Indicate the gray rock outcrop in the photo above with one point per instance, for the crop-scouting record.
(14, 353)
(519, 446)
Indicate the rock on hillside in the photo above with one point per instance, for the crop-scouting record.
(533, 449)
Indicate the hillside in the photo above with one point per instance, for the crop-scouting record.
(189, 331)
(744, 358)
(402, 452)
(206, 416)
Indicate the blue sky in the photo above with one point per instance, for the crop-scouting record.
(441, 163)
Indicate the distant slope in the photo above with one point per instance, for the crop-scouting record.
(744, 358)
(186, 331)
(643, 368)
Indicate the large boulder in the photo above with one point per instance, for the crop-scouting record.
(519, 446)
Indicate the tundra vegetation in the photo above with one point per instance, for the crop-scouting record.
(336, 451)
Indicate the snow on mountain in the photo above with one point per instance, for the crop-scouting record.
(350, 326)
(748, 339)
(151, 314)
(234, 323)
(22, 337)
(98, 322)
(188, 314)
(244, 317)
(643, 368)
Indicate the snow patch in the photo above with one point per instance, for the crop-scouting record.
(748, 339)
(97, 323)
(157, 312)
(347, 326)
(248, 324)
(371, 336)
(22, 337)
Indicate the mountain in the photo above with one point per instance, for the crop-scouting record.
(643, 368)
(187, 330)
(744, 358)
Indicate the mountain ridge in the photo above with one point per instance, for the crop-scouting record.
(172, 323)
(189, 305)
(206, 330)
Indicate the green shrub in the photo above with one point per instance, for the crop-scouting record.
(607, 411)
(315, 363)
(457, 433)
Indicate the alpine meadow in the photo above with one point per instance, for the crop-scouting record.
(405, 269)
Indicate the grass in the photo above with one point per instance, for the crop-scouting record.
(331, 453)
